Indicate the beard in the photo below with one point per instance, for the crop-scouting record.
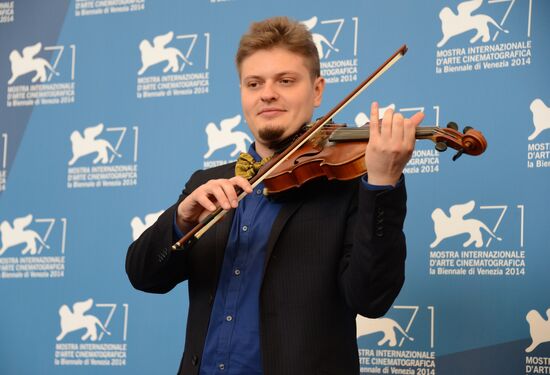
(271, 135)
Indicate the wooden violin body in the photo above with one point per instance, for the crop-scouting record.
(319, 158)
(339, 154)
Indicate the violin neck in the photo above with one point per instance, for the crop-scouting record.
(363, 134)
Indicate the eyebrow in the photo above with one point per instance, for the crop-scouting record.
(286, 72)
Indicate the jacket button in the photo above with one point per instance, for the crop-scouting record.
(195, 360)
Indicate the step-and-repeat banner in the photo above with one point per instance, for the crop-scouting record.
(108, 106)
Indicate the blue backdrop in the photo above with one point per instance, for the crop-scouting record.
(107, 107)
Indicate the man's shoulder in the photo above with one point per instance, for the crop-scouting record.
(225, 170)
(221, 171)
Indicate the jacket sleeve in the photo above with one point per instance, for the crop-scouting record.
(372, 269)
(151, 265)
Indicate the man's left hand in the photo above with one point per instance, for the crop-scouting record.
(390, 145)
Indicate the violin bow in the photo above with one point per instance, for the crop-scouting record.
(204, 225)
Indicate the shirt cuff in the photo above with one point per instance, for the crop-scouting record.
(177, 231)
(366, 185)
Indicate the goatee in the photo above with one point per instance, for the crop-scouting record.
(271, 136)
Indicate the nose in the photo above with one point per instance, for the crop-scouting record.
(269, 92)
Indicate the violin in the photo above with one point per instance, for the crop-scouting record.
(335, 152)
(338, 153)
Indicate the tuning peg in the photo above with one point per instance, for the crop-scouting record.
(466, 129)
(453, 125)
(458, 154)
(441, 146)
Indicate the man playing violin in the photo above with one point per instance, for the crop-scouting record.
(275, 287)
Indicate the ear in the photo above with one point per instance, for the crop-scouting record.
(318, 88)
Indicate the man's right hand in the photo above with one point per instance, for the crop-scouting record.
(207, 198)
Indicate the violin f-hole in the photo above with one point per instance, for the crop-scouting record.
(306, 155)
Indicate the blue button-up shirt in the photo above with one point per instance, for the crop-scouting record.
(233, 341)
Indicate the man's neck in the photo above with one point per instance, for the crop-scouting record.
(263, 150)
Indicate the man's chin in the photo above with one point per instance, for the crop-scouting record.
(276, 138)
(271, 135)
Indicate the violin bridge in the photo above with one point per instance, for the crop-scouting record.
(319, 139)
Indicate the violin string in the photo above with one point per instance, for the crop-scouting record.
(343, 134)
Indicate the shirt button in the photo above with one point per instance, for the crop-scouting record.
(229, 318)
(237, 272)
(245, 228)
(221, 366)
(259, 191)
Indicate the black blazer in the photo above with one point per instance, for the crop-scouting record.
(335, 250)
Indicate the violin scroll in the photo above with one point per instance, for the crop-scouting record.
(470, 141)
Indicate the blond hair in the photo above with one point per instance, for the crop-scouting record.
(280, 32)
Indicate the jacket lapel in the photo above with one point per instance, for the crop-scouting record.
(287, 210)
(222, 229)
(222, 235)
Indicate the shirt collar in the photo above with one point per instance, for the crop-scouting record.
(252, 151)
